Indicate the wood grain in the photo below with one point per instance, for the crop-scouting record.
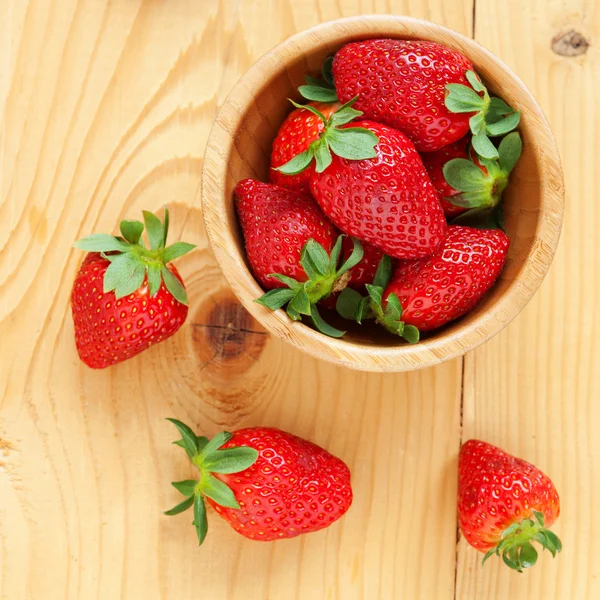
(106, 109)
(533, 390)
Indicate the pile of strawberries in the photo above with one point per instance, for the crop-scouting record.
(416, 186)
(384, 193)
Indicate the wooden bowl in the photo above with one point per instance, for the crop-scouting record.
(239, 146)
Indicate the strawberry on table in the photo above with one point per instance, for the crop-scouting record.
(505, 504)
(464, 183)
(300, 128)
(425, 294)
(426, 90)
(266, 483)
(292, 249)
(127, 297)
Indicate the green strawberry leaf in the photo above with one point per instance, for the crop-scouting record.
(462, 99)
(314, 258)
(174, 286)
(215, 443)
(509, 151)
(188, 438)
(200, 520)
(276, 298)
(132, 231)
(464, 175)
(185, 487)
(344, 115)
(383, 275)
(300, 302)
(176, 250)
(318, 93)
(483, 146)
(180, 507)
(102, 242)
(364, 310)
(291, 283)
(475, 82)
(154, 279)
(334, 256)
(322, 326)
(347, 304)
(298, 163)
(411, 334)
(327, 71)
(218, 491)
(322, 156)
(154, 229)
(230, 460)
(503, 126)
(355, 257)
(353, 143)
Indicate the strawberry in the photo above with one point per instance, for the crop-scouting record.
(424, 89)
(291, 244)
(298, 131)
(127, 297)
(504, 504)
(387, 200)
(424, 294)
(266, 483)
(463, 183)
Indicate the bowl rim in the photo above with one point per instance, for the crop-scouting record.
(431, 351)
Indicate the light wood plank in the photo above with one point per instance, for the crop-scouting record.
(106, 110)
(533, 390)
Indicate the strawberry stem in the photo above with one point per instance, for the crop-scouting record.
(516, 548)
(492, 116)
(209, 458)
(353, 143)
(324, 278)
(131, 262)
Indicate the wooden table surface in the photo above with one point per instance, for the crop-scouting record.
(106, 108)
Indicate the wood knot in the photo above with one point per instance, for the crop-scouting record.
(226, 336)
(570, 43)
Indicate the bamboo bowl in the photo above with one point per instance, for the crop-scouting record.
(239, 146)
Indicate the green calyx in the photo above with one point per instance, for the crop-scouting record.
(353, 143)
(131, 262)
(492, 118)
(516, 548)
(209, 458)
(320, 90)
(324, 278)
(355, 307)
(483, 188)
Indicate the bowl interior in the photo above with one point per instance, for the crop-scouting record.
(257, 107)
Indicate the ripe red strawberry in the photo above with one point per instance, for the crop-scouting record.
(267, 484)
(424, 89)
(277, 223)
(126, 297)
(464, 183)
(436, 290)
(290, 244)
(298, 131)
(388, 200)
(504, 504)
(424, 294)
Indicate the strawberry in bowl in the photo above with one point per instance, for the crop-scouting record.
(399, 142)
